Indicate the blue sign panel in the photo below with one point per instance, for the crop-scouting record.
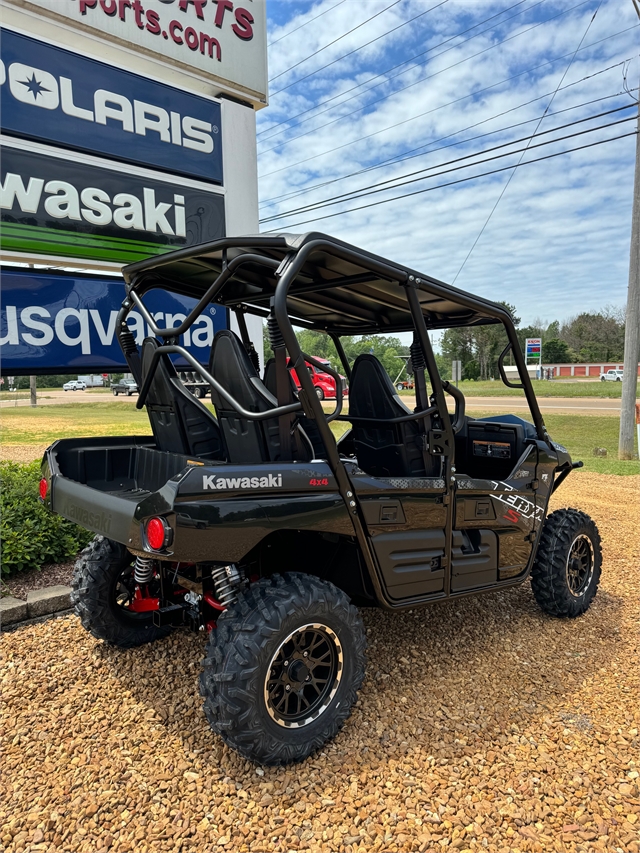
(52, 95)
(55, 323)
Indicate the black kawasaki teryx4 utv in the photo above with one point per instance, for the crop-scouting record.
(256, 525)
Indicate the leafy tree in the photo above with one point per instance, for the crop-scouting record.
(555, 351)
(595, 337)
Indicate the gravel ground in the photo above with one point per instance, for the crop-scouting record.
(483, 725)
(21, 452)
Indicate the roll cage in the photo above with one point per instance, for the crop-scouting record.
(316, 282)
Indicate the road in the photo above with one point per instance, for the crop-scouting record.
(515, 405)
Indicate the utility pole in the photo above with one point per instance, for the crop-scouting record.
(32, 387)
(632, 321)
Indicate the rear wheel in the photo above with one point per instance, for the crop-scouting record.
(198, 392)
(105, 594)
(566, 571)
(283, 668)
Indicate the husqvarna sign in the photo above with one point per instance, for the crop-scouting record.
(222, 39)
(56, 96)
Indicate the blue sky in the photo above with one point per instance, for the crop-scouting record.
(412, 95)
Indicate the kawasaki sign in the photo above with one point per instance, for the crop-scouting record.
(56, 204)
(56, 96)
(55, 323)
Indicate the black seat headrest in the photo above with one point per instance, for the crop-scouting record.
(371, 392)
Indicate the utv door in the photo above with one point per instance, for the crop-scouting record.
(406, 519)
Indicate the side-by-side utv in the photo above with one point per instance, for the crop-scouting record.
(257, 525)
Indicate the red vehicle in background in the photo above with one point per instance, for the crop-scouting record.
(323, 383)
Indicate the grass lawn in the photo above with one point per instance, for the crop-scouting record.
(40, 426)
(553, 388)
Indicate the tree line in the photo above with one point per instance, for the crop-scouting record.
(587, 337)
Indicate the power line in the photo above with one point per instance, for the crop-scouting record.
(442, 106)
(399, 65)
(410, 155)
(357, 49)
(339, 38)
(423, 79)
(411, 177)
(310, 21)
(374, 189)
(452, 183)
(509, 179)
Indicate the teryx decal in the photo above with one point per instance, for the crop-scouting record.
(272, 481)
(526, 508)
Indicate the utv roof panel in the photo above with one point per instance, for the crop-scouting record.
(340, 288)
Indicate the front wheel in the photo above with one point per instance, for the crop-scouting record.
(400, 386)
(114, 392)
(319, 392)
(198, 392)
(283, 669)
(107, 600)
(566, 571)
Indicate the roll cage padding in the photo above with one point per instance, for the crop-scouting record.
(247, 441)
(385, 449)
(180, 423)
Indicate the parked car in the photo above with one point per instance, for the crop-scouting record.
(74, 385)
(125, 386)
(264, 528)
(612, 376)
(323, 383)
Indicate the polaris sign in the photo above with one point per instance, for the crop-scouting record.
(66, 323)
(56, 96)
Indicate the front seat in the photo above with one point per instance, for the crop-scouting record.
(248, 441)
(180, 423)
(384, 449)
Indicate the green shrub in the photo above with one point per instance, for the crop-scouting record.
(31, 534)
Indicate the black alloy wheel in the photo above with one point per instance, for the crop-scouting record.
(303, 676)
(283, 669)
(580, 564)
(566, 571)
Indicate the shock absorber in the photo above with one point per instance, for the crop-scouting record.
(226, 580)
(143, 570)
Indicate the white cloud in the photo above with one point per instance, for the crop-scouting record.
(558, 241)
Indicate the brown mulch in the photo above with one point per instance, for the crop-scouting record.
(483, 725)
(50, 575)
(21, 452)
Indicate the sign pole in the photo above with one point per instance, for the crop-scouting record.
(632, 322)
(32, 388)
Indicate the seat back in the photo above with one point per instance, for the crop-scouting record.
(384, 449)
(309, 426)
(247, 441)
(180, 423)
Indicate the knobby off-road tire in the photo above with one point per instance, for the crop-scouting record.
(100, 568)
(566, 571)
(245, 677)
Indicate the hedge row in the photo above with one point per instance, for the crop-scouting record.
(31, 535)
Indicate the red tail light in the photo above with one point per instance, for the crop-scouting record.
(44, 487)
(158, 533)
